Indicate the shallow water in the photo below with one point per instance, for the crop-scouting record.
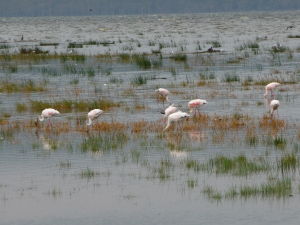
(49, 176)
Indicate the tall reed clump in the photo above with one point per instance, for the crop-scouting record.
(288, 162)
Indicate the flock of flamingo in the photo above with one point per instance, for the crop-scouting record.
(172, 113)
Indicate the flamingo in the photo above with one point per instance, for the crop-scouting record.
(195, 104)
(168, 111)
(163, 93)
(175, 117)
(48, 113)
(274, 105)
(92, 115)
(270, 87)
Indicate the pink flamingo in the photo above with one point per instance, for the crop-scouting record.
(195, 104)
(163, 93)
(270, 87)
(168, 111)
(175, 117)
(274, 105)
(92, 115)
(48, 113)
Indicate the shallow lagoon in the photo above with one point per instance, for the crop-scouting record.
(231, 165)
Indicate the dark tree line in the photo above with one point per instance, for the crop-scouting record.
(107, 7)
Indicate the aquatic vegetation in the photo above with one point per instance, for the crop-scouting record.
(72, 105)
(142, 61)
(179, 57)
(211, 193)
(293, 36)
(75, 45)
(139, 80)
(288, 162)
(88, 173)
(238, 166)
(25, 86)
(104, 142)
(193, 164)
(191, 183)
(231, 78)
(214, 44)
(277, 188)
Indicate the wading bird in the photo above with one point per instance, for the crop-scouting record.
(195, 104)
(92, 115)
(163, 93)
(175, 117)
(168, 111)
(48, 113)
(274, 105)
(270, 87)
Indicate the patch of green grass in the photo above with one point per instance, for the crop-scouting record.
(139, 80)
(231, 78)
(214, 44)
(21, 107)
(278, 189)
(193, 165)
(142, 61)
(294, 36)
(238, 166)
(104, 142)
(288, 162)
(179, 57)
(75, 45)
(191, 183)
(72, 105)
(88, 173)
(25, 86)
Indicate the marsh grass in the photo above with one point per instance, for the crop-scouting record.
(104, 142)
(238, 166)
(179, 57)
(294, 36)
(211, 193)
(288, 162)
(192, 183)
(25, 86)
(231, 78)
(75, 45)
(139, 80)
(277, 188)
(214, 44)
(88, 173)
(163, 172)
(193, 165)
(72, 105)
(142, 61)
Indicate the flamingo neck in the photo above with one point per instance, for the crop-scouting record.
(89, 122)
(168, 125)
(41, 118)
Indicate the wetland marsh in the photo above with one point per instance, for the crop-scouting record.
(231, 164)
